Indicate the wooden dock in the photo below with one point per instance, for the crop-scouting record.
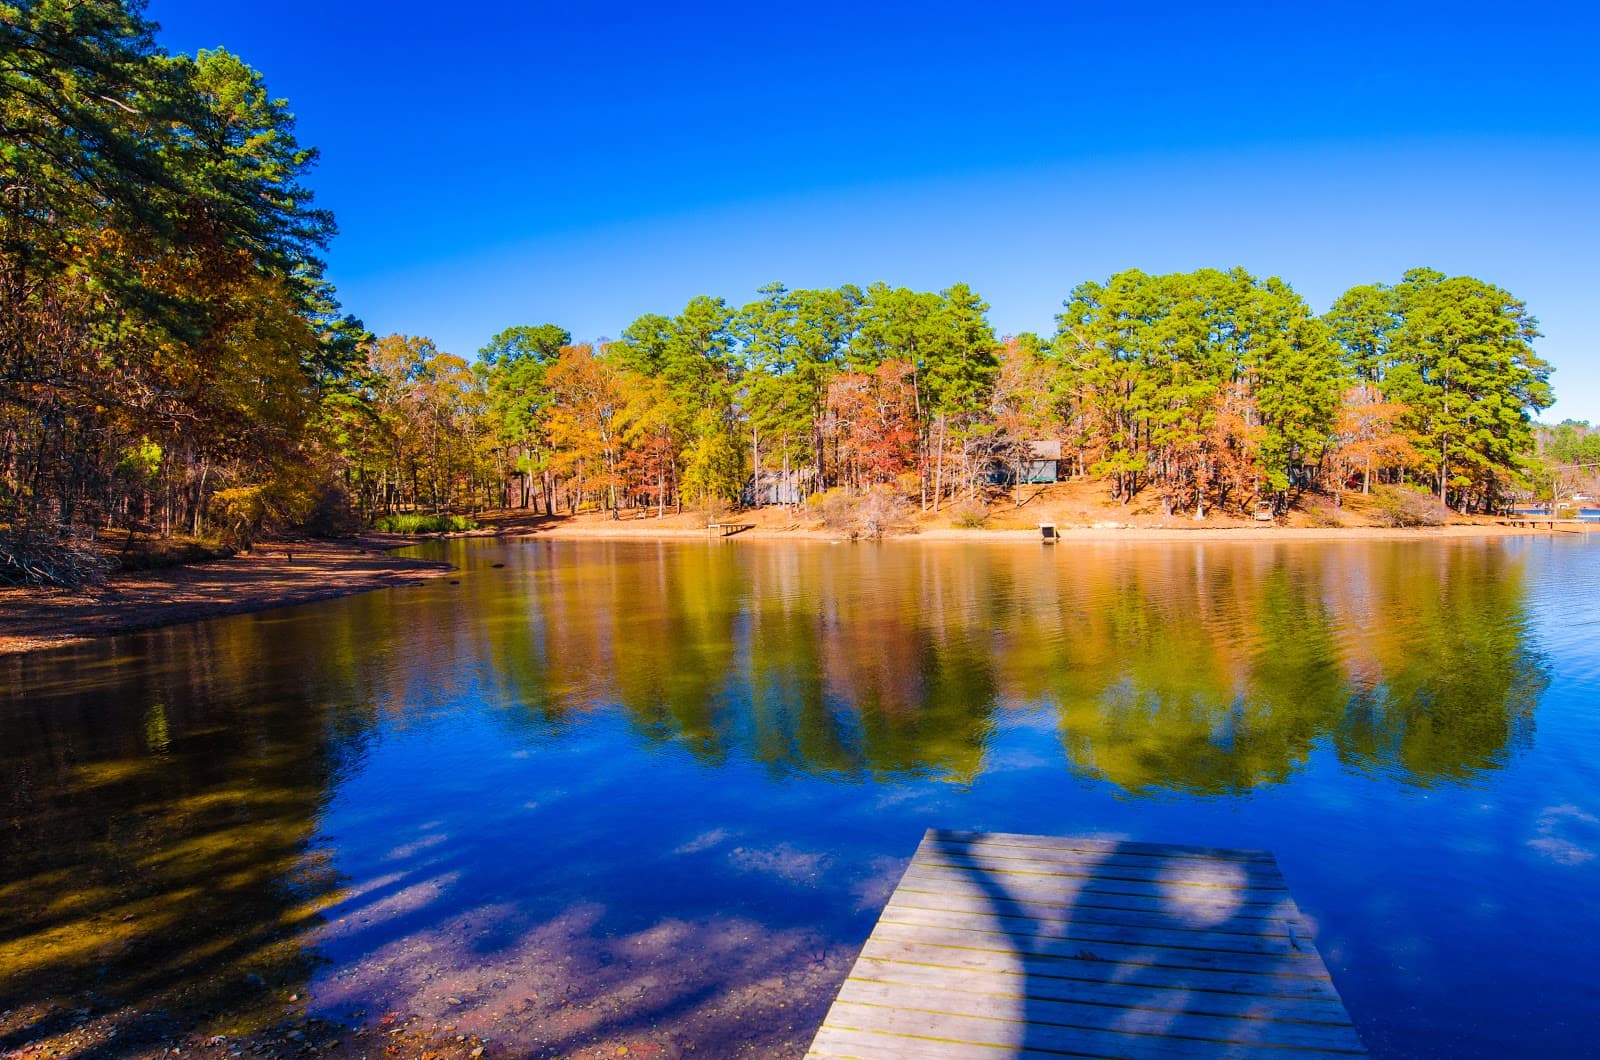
(727, 529)
(998, 945)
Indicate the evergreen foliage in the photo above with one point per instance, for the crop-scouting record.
(165, 329)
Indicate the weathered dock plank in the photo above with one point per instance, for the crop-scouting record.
(998, 946)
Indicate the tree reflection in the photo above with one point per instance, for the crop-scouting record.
(1206, 670)
(1454, 679)
(672, 652)
(160, 797)
(155, 857)
(1210, 682)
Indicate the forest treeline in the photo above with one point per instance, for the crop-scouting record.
(172, 356)
(169, 345)
(1215, 389)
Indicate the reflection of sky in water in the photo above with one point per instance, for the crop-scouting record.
(630, 793)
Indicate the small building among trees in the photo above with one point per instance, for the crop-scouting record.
(1026, 464)
(777, 487)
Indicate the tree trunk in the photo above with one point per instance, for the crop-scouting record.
(199, 496)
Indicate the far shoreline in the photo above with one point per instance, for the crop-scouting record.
(284, 574)
(589, 526)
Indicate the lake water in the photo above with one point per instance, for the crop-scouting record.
(655, 794)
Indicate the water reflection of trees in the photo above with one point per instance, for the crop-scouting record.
(156, 811)
(1195, 669)
(1454, 680)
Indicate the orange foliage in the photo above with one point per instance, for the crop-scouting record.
(873, 419)
(1368, 437)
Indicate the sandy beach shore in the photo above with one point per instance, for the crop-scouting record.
(769, 528)
(1068, 535)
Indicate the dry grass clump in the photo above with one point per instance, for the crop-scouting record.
(878, 512)
(1405, 506)
(969, 515)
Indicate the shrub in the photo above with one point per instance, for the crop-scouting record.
(243, 512)
(411, 523)
(333, 512)
(882, 511)
(1323, 515)
(969, 515)
(835, 506)
(283, 503)
(879, 511)
(1405, 506)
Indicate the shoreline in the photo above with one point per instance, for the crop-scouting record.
(34, 620)
(271, 575)
(637, 530)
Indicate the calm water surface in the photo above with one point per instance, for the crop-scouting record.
(657, 793)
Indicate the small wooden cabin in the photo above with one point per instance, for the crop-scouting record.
(777, 487)
(1037, 464)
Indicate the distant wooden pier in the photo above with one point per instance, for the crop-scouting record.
(727, 529)
(998, 945)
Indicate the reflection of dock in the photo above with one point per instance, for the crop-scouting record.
(999, 946)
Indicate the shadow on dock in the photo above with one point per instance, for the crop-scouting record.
(1033, 946)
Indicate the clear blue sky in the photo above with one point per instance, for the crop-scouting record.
(516, 163)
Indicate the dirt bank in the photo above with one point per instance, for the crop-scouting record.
(271, 575)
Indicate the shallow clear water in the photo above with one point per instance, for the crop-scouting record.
(657, 793)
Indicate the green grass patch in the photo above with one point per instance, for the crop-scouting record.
(423, 524)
